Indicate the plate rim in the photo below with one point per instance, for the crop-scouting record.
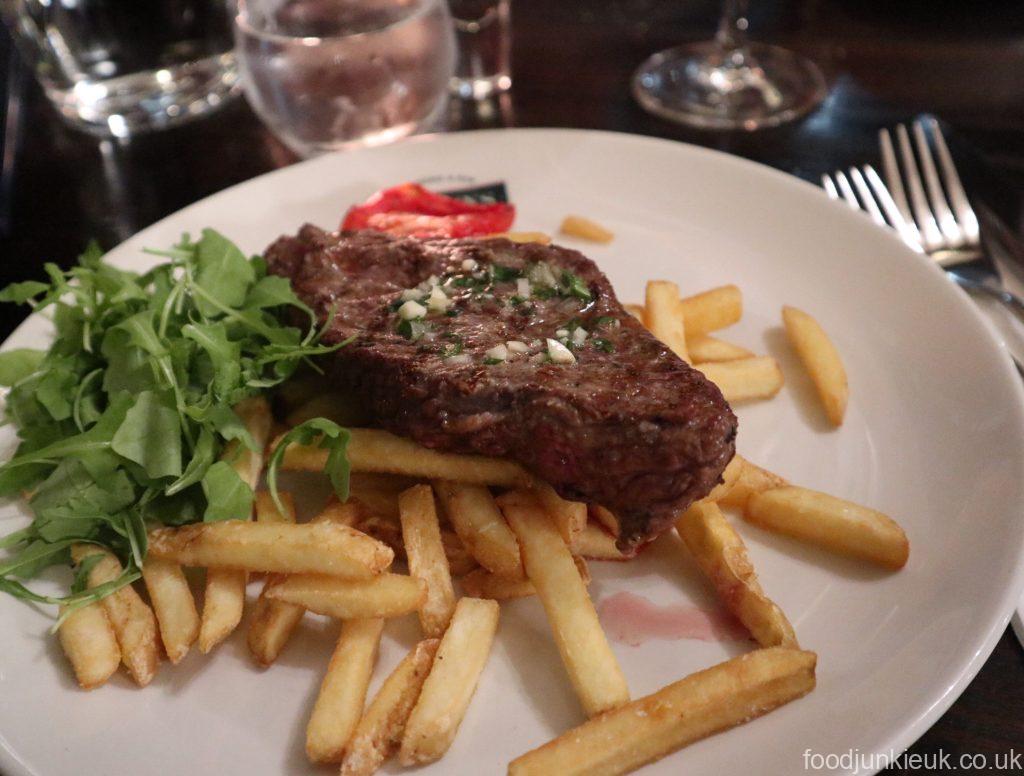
(981, 647)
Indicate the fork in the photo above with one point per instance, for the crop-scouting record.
(942, 224)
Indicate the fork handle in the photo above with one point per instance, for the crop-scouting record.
(1008, 299)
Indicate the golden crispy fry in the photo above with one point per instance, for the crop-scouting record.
(729, 478)
(636, 310)
(224, 597)
(173, 604)
(386, 595)
(746, 379)
(223, 602)
(837, 525)
(822, 361)
(570, 517)
(449, 687)
(711, 310)
(425, 553)
(595, 543)
(752, 479)
(524, 237)
(693, 708)
(606, 518)
(479, 523)
(589, 661)
(343, 690)
(380, 730)
(704, 348)
(722, 556)
(272, 622)
(663, 318)
(371, 450)
(132, 620)
(90, 644)
(585, 229)
(483, 584)
(309, 548)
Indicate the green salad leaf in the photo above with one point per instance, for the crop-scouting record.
(124, 420)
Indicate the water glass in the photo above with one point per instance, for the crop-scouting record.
(483, 35)
(333, 74)
(118, 68)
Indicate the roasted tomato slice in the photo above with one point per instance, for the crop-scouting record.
(409, 210)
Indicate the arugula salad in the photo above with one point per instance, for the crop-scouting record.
(124, 422)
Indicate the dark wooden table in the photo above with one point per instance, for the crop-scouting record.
(572, 62)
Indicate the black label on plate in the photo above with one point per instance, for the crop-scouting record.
(486, 194)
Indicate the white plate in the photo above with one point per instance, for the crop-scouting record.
(934, 436)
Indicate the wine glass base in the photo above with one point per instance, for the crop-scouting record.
(702, 85)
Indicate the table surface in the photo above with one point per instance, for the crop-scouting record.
(572, 61)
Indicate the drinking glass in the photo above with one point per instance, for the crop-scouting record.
(118, 67)
(483, 36)
(729, 82)
(332, 74)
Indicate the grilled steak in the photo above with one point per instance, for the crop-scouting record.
(520, 351)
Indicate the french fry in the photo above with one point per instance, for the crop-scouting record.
(272, 622)
(746, 379)
(339, 705)
(585, 229)
(132, 620)
(89, 642)
(822, 361)
(662, 316)
(606, 518)
(840, 526)
(688, 710)
(224, 597)
(524, 237)
(479, 523)
(223, 602)
(308, 548)
(636, 310)
(589, 660)
(704, 348)
(729, 478)
(386, 595)
(449, 687)
(372, 450)
(425, 553)
(711, 310)
(595, 543)
(752, 479)
(173, 604)
(722, 557)
(379, 732)
(570, 516)
(483, 584)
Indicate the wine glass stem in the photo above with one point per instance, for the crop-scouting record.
(732, 28)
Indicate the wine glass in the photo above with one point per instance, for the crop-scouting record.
(729, 82)
(327, 75)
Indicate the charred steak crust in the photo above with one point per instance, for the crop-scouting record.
(628, 425)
